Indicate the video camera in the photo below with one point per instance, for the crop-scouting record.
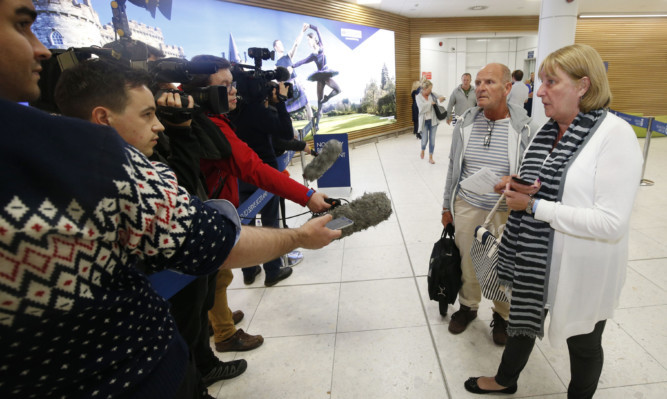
(133, 54)
(253, 84)
(212, 99)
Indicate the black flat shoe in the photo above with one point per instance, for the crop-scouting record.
(471, 386)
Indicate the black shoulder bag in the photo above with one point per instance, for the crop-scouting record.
(444, 270)
(440, 112)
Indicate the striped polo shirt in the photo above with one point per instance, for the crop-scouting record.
(493, 156)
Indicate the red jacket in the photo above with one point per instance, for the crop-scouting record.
(246, 165)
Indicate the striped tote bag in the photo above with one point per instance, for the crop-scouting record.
(484, 254)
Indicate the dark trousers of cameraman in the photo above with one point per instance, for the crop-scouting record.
(270, 218)
(190, 307)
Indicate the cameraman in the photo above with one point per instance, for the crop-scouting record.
(280, 145)
(221, 177)
(279, 94)
(258, 127)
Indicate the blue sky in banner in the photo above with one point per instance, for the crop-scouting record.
(203, 27)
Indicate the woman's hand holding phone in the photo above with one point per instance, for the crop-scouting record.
(521, 181)
(524, 186)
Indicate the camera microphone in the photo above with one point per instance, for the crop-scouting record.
(202, 68)
(326, 158)
(366, 211)
(178, 70)
(282, 74)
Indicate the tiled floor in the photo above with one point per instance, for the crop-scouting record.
(355, 321)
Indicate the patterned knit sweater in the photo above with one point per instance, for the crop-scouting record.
(77, 208)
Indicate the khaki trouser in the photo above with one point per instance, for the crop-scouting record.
(220, 315)
(467, 218)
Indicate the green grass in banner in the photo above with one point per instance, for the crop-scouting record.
(346, 123)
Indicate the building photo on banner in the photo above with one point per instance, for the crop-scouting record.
(343, 74)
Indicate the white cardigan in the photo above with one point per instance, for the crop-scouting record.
(591, 223)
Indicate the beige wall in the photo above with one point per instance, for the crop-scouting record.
(635, 48)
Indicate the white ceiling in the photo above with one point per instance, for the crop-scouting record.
(459, 8)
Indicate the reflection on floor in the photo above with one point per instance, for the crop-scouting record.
(354, 319)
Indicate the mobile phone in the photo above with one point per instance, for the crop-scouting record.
(339, 223)
(521, 181)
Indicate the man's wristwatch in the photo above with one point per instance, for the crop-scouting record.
(444, 210)
(529, 207)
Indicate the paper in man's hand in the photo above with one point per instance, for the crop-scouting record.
(482, 182)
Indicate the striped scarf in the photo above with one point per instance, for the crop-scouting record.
(525, 250)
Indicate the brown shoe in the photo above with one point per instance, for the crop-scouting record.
(499, 329)
(239, 342)
(461, 318)
(237, 316)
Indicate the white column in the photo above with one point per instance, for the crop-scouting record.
(558, 23)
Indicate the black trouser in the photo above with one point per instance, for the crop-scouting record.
(190, 307)
(270, 215)
(586, 359)
(191, 386)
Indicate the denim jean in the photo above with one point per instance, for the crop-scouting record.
(428, 136)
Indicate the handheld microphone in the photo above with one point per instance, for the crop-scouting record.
(366, 211)
(326, 158)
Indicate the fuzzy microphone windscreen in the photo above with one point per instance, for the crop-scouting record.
(366, 211)
(328, 155)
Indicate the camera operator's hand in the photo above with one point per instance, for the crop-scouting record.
(273, 98)
(316, 202)
(306, 149)
(282, 89)
(168, 99)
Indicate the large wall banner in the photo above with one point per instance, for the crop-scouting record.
(343, 74)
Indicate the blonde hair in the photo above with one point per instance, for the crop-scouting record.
(426, 84)
(415, 84)
(578, 61)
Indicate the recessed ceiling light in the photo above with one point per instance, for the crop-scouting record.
(621, 15)
(368, 1)
(477, 8)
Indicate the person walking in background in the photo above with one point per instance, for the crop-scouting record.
(565, 246)
(416, 88)
(531, 87)
(492, 135)
(462, 98)
(428, 123)
(519, 93)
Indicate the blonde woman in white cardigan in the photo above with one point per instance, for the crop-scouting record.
(565, 246)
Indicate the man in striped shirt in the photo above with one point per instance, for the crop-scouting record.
(492, 135)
